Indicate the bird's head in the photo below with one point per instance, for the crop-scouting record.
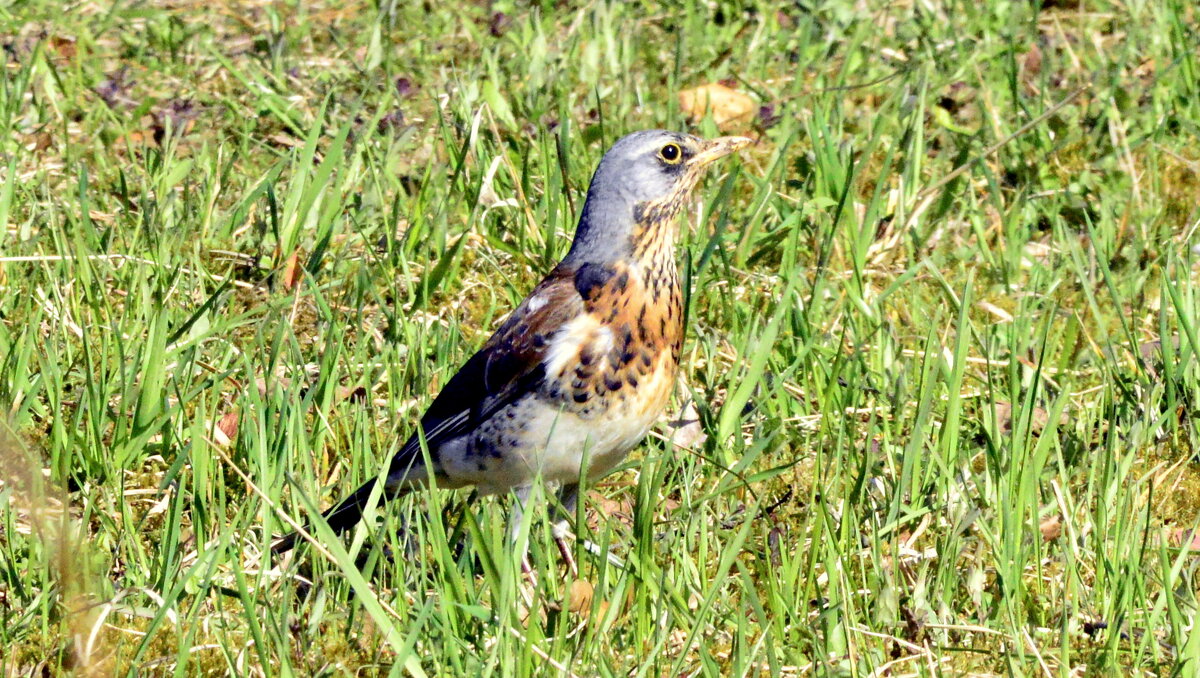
(642, 183)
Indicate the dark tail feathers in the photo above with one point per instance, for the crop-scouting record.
(341, 517)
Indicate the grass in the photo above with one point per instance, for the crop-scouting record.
(927, 426)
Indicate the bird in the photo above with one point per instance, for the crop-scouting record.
(579, 372)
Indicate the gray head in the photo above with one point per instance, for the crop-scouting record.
(652, 167)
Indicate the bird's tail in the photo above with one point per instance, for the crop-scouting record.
(341, 517)
(405, 472)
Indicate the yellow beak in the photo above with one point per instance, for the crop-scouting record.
(714, 149)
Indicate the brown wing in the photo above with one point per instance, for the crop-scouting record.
(508, 366)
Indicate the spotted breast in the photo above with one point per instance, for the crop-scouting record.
(606, 376)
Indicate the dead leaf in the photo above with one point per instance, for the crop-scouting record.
(226, 429)
(1037, 250)
(1145, 70)
(292, 271)
(147, 133)
(136, 138)
(1186, 538)
(1051, 528)
(579, 598)
(63, 47)
(351, 393)
(1037, 422)
(1000, 314)
(285, 140)
(1003, 412)
(39, 142)
(1031, 64)
(280, 382)
(686, 431)
(605, 508)
(289, 141)
(1193, 544)
(727, 106)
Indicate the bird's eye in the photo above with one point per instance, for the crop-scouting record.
(671, 154)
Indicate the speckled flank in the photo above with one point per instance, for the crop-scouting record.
(609, 374)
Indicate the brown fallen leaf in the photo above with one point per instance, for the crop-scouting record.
(579, 598)
(292, 271)
(1186, 538)
(1037, 423)
(1051, 528)
(1001, 315)
(39, 142)
(288, 141)
(146, 133)
(63, 47)
(226, 429)
(686, 431)
(1031, 69)
(1145, 70)
(351, 393)
(135, 138)
(278, 382)
(727, 106)
(605, 508)
(1031, 63)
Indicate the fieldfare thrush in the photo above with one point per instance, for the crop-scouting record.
(580, 371)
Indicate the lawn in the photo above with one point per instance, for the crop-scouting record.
(941, 382)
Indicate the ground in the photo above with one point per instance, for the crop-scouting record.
(939, 400)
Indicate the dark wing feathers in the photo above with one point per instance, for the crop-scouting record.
(502, 370)
(506, 368)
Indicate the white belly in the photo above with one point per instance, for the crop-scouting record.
(538, 438)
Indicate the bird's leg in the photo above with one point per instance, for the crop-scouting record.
(568, 498)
